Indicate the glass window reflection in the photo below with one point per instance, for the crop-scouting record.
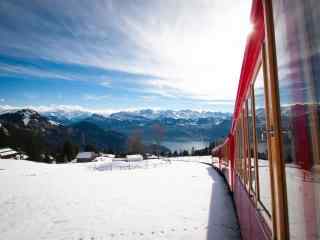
(298, 56)
(262, 143)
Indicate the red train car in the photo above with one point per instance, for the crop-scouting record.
(271, 157)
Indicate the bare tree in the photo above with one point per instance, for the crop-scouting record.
(158, 135)
(135, 144)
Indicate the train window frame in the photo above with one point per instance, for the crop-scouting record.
(242, 149)
(265, 213)
(252, 160)
(253, 108)
(237, 151)
(240, 128)
(246, 145)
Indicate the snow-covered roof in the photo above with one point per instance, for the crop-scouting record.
(135, 157)
(5, 150)
(8, 153)
(85, 155)
(23, 156)
(103, 159)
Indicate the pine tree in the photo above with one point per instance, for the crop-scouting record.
(90, 148)
(68, 151)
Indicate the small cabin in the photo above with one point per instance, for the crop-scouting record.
(134, 157)
(86, 156)
(7, 153)
(151, 156)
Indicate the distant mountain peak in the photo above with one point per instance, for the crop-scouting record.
(26, 118)
(69, 116)
(162, 114)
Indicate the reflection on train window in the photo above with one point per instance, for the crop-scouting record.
(251, 146)
(298, 56)
(241, 148)
(262, 146)
(236, 151)
(246, 145)
(243, 162)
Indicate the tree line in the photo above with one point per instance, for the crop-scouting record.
(34, 145)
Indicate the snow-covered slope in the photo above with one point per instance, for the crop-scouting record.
(181, 200)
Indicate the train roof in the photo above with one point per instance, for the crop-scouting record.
(251, 57)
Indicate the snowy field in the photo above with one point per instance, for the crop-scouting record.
(181, 199)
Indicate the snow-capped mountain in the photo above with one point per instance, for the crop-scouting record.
(66, 116)
(179, 126)
(182, 125)
(69, 116)
(30, 131)
(26, 118)
(162, 114)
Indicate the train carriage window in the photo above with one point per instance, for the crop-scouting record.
(298, 56)
(246, 145)
(262, 143)
(237, 151)
(241, 155)
(251, 144)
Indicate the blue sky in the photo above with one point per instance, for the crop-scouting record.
(122, 54)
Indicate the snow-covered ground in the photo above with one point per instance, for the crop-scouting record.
(183, 199)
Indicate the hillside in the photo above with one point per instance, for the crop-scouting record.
(28, 131)
(85, 132)
(45, 133)
(191, 127)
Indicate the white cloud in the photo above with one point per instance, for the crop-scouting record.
(6, 69)
(106, 83)
(65, 109)
(59, 108)
(195, 47)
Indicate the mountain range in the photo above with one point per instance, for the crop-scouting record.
(25, 128)
(183, 125)
(68, 116)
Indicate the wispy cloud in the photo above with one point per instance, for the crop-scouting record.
(193, 48)
(91, 97)
(106, 83)
(14, 70)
